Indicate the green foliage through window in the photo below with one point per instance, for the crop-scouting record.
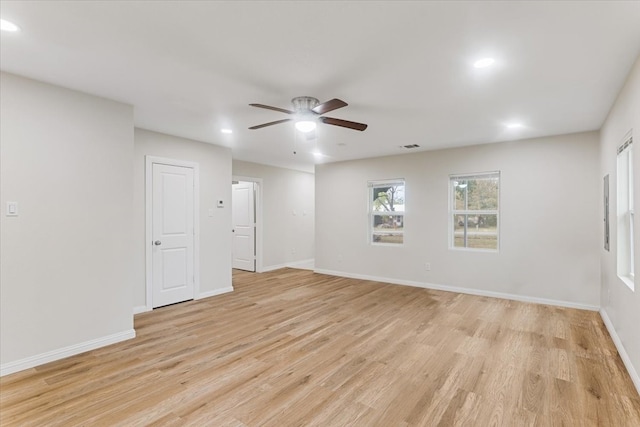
(474, 216)
(386, 207)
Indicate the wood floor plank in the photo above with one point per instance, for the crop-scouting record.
(294, 348)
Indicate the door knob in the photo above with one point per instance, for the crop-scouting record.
(157, 243)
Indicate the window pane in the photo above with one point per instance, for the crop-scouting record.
(475, 192)
(630, 178)
(387, 223)
(475, 231)
(459, 194)
(625, 230)
(482, 194)
(387, 238)
(631, 246)
(386, 204)
(388, 198)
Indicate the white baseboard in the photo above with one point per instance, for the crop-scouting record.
(305, 264)
(141, 309)
(469, 291)
(273, 267)
(72, 350)
(621, 350)
(214, 292)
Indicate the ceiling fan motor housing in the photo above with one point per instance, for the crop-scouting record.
(304, 103)
(309, 109)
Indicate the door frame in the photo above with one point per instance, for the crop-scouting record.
(149, 162)
(258, 218)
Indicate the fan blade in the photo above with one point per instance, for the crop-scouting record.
(268, 107)
(331, 105)
(343, 123)
(270, 123)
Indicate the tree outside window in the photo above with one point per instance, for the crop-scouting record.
(386, 207)
(474, 210)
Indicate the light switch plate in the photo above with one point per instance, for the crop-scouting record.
(12, 208)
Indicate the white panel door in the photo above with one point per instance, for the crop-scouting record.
(172, 234)
(244, 226)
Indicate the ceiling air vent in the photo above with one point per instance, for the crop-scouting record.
(410, 146)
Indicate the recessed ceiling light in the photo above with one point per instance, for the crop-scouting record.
(513, 125)
(8, 26)
(484, 63)
(227, 131)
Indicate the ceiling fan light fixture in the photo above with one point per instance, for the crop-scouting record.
(305, 125)
(307, 112)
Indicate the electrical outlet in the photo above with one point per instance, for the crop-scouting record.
(427, 266)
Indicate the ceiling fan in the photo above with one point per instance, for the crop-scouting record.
(307, 111)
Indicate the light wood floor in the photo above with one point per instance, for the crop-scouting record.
(291, 348)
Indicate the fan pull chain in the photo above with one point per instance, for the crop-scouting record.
(295, 139)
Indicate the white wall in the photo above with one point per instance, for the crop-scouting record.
(66, 277)
(284, 192)
(215, 231)
(549, 222)
(619, 304)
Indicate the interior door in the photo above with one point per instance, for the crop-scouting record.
(244, 226)
(172, 234)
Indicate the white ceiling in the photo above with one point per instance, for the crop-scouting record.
(190, 68)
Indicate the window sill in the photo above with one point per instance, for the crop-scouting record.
(491, 251)
(627, 281)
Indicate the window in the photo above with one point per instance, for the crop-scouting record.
(386, 212)
(473, 212)
(625, 213)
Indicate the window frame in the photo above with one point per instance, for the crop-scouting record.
(625, 215)
(453, 179)
(372, 214)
